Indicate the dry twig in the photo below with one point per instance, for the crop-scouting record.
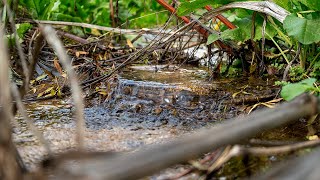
(57, 45)
(8, 155)
(20, 51)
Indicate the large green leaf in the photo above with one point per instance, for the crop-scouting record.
(243, 32)
(39, 8)
(304, 30)
(291, 91)
(212, 38)
(312, 4)
(284, 3)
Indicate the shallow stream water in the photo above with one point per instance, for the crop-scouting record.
(149, 105)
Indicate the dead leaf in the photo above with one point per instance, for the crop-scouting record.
(130, 44)
(269, 105)
(57, 66)
(314, 137)
(95, 32)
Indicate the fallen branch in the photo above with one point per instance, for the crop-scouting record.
(266, 7)
(78, 39)
(102, 28)
(9, 168)
(238, 150)
(303, 167)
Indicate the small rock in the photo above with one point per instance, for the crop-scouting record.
(158, 110)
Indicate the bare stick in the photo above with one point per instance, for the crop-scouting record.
(57, 45)
(9, 168)
(20, 51)
(238, 150)
(78, 39)
(34, 55)
(103, 28)
(296, 57)
(303, 167)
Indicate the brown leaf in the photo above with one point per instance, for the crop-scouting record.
(57, 65)
(130, 44)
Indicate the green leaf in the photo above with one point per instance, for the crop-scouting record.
(23, 28)
(186, 7)
(304, 30)
(243, 32)
(308, 81)
(293, 90)
(312, 4)
(212, 38)
(284, 3)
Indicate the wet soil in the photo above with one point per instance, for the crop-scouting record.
(148, 105)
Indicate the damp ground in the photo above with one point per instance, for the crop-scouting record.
(149, 105)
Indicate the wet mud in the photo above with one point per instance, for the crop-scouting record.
(148, 105)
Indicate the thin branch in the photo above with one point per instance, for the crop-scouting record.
(102, 28)
(238, 150)
(33, 56)
(77, 38)
(296, 57)
(20, 51)
(57, 45)
(9, 158)
(303, 167)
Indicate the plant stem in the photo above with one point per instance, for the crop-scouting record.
(284, 56)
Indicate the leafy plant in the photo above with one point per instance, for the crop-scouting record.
(141, 13)
(40, 9)
(306, 31)
(21, 30)
(299, 32)
(292, 90)
(243, 32)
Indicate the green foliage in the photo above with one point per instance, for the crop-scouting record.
(311, 4)
(304, 30)
(297, 73)
(302, 26)
(243, 32)
(293, 90)
(39, 9)
(22, 29)
(286, 4)
(186, 7)
(141, 13)
(212, 38)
